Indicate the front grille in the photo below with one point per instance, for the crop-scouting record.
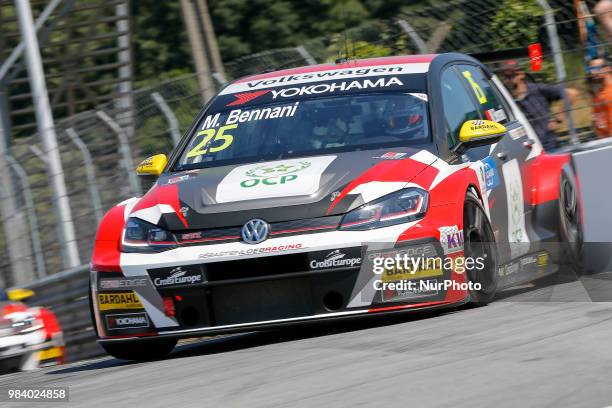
(260, 301)
(277, 229)
(256, 267)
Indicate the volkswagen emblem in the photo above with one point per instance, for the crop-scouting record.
(255, 231)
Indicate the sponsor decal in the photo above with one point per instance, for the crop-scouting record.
(252, 251)
(127, 321)
(332, 87)
(122, 283)
(516, 217)
(491, 175)
(528, 260)
(310, 77)
(478, 125)
(509, 269)
(499, 115)
(190, 235)
(482, 178)
(527, 264)
(543, 259)
(334, 195)
(396, 275)
(517, 133)
(409, 290)
(496, 115)
(420, 96)
(246, 97)
(178, 179)
(515, 204)
(423, 251)
(335, 259)
(286, 178)
(176, 276)
(114, 301)
(299, 78)
(392, 156)
(451, 239)
(271, 175)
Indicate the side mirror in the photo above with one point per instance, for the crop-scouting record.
(17, 295)
(152, 166)
(475, 133)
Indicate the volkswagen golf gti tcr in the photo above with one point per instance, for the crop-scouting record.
(278, 205)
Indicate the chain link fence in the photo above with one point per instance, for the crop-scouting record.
(100, 148)
(98, 157)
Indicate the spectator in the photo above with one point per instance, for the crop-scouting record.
(603, 11)
(534, 99)
(601, 83)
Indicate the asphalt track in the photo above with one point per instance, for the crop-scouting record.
(535, 346)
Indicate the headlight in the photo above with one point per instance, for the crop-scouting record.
(18, 323)
(26, 325)
(141, 236)
(7, 327)
(402, 206)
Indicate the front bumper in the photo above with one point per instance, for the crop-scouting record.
(241, 292)
(15, 350)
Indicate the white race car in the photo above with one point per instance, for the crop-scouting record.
(30, 337)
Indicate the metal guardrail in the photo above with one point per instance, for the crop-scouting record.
(67, 295)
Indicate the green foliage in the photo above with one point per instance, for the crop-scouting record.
(516, 23)
(361, 49)
(160, 41)
(245, 27)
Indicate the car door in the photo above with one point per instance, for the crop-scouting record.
(461, 100)
(508, 156)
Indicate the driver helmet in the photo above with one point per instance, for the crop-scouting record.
(405, 119)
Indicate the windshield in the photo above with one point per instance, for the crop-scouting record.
(308, 126)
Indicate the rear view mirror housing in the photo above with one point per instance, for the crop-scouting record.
(152, 166)
(475, 133)
(19, 294)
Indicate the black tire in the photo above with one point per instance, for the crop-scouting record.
(584, 257)
(570, 223)
(479, 241)
(141, 350)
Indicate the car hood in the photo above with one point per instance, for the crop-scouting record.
(275, 191)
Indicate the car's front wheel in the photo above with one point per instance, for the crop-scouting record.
(479, 244)
(141, 350)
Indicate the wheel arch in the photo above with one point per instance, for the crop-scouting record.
(106, 252)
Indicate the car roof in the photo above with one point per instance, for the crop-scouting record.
(356, 63)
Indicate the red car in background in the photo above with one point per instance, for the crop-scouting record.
(30, 337)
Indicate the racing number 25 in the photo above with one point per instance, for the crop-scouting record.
(212, 135)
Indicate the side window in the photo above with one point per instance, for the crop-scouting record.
(490, 103)
(458, 105)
